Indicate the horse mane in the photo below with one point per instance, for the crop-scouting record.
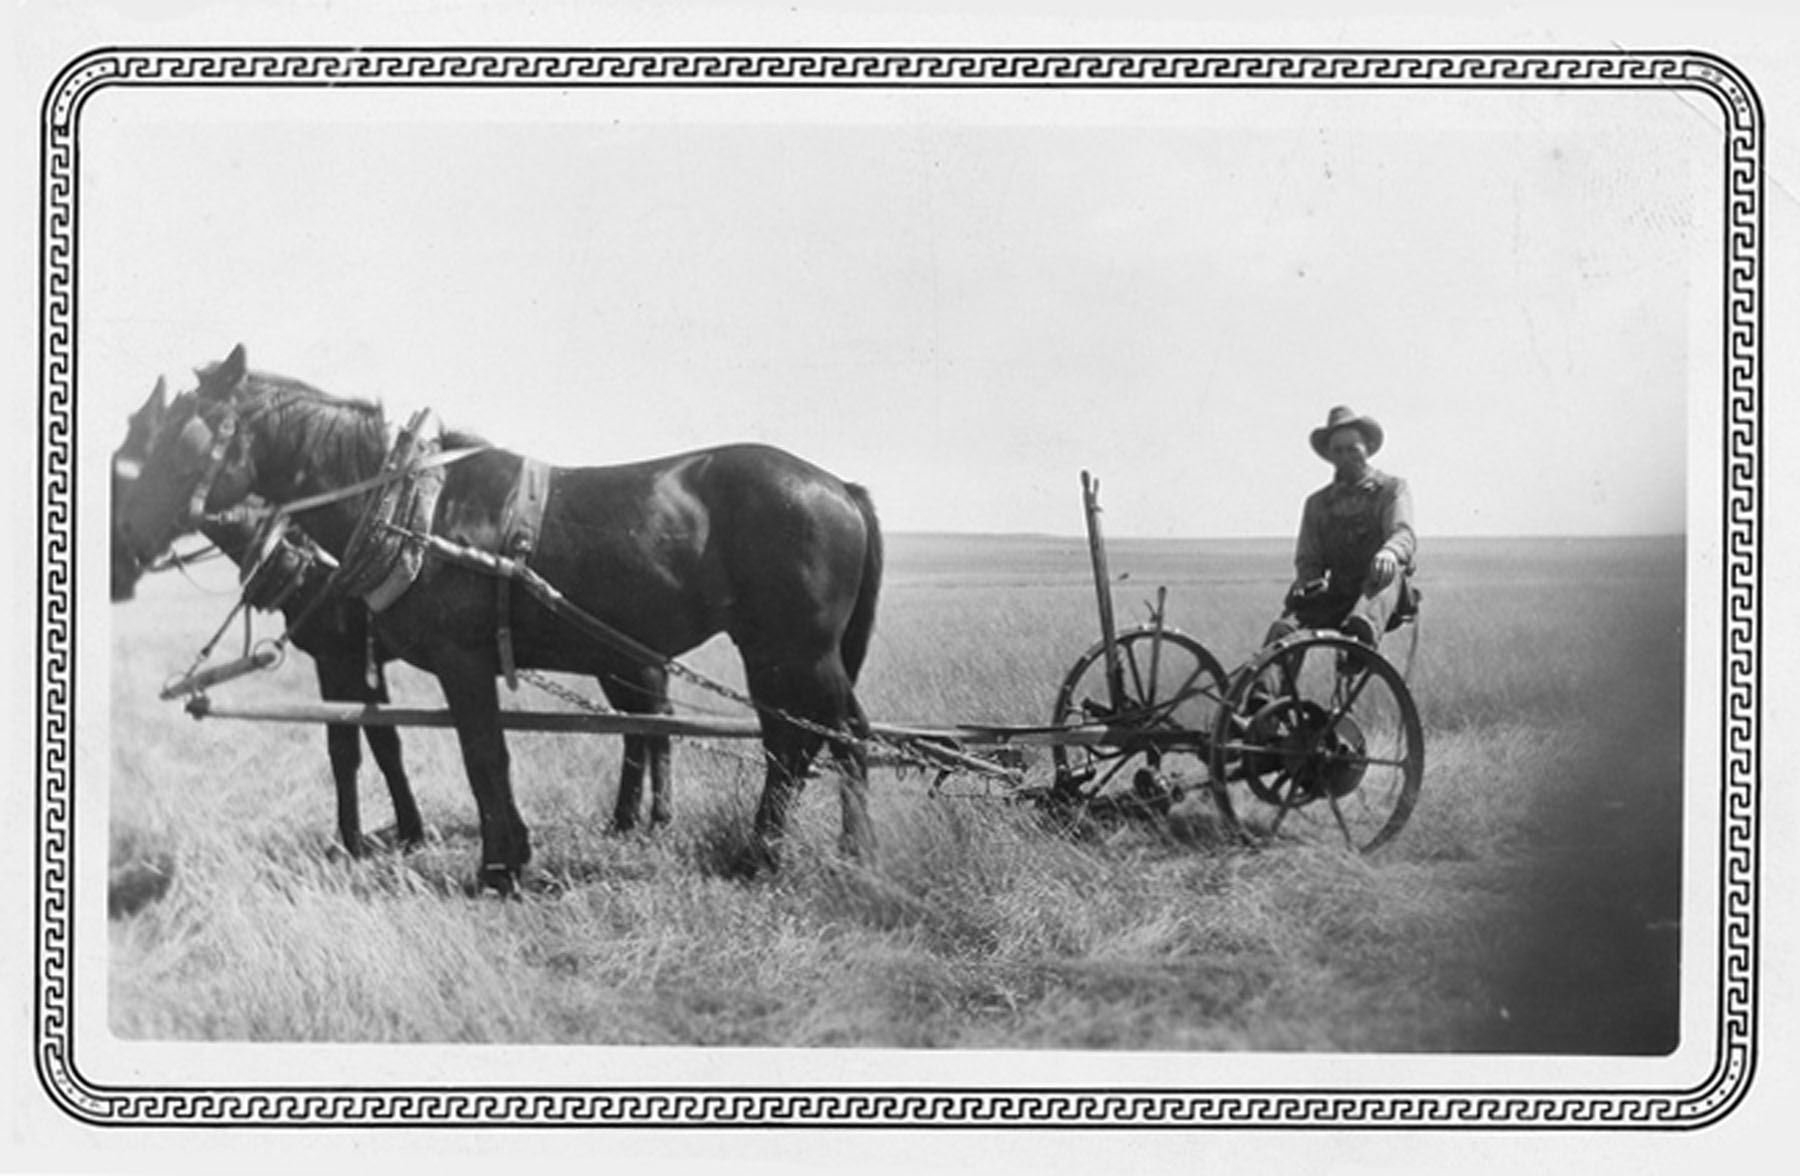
(460, 439)
(341, 439)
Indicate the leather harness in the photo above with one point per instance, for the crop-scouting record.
(521, 522)
(380, 562)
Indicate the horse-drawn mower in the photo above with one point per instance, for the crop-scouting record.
(1314, 737)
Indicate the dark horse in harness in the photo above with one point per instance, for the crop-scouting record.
(335, 633)
(746, 540)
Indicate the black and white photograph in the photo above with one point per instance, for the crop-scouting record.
(1129, 586)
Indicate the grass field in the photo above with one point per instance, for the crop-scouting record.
(1532, 904)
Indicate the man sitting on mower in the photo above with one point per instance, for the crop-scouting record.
(1354, 555)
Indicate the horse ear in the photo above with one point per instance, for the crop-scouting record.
(158, 398)
(222, 380)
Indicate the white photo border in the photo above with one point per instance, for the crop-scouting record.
(948, 69)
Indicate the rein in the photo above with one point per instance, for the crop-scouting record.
(385, 477)
(180, 561)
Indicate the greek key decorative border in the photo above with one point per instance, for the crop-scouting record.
(946, 69)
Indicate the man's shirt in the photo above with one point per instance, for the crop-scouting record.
(1344, 524)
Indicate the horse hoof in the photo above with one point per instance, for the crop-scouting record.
(497, 880)
(761, 858)
(856, 849)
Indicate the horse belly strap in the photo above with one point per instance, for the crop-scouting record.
(521, 521)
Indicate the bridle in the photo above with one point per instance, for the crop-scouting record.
(195, 515)
(268, 580)
(224, 433)
(270, 541)
(127, 470)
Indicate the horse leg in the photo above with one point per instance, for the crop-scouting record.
(655, 681)
(820, 695)
(645, 692)
(343, 747)
(384, 744)
(852, 758)
(644, 752)
(788, 750)
(662, 801)
(469, 688)
(631, 786)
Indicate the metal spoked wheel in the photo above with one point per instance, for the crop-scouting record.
(1170, 693)
(1318, 740)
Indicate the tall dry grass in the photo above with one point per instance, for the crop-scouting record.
(1531, 903)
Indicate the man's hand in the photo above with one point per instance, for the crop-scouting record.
(1382, 570)
(1307, 589)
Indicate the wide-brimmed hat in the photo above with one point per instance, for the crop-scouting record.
(1341, 417)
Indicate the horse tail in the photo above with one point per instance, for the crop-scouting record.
(855, 644)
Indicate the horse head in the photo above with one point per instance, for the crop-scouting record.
(127, 463)
(195, 462)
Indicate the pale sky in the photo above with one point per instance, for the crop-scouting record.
(960, 300)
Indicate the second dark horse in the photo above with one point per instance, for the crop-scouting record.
(747, 540)
(334, 633)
